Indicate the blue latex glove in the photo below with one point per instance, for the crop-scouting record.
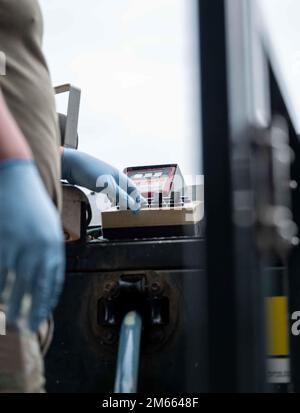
(31, 244)
(81, 169)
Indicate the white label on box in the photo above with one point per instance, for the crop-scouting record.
(278, 370)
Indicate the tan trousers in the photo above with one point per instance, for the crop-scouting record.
(21, 363)
(21, 359)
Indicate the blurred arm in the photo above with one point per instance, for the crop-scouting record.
(12, 142)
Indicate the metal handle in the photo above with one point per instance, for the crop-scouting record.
(129, 354)
(71, 140)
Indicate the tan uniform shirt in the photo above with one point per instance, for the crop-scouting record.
(27, 87)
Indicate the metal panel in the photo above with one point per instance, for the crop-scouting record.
(217, 197)
(235, 292)
(81, 359)
(160, 253)
(71, 139)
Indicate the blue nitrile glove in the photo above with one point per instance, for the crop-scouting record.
(81, 169)
(31, 244)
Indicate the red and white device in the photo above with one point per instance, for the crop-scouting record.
(156, 178)
(167, 211)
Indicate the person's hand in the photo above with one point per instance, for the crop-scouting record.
(31, 245)
(81, 169)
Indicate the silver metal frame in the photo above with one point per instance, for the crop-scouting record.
(71, 140)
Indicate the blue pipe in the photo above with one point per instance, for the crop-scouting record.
(129, 354)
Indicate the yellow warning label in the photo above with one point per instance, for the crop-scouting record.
(277, 326)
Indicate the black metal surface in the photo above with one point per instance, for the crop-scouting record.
(193, 230)
(154, 254)
(236, 345)
(217, 196)
(134, 293)
(82, 357)
(83, 354)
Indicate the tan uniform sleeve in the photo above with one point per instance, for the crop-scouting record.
(27, 87)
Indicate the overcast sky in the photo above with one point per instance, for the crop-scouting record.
(136, 63)
(281, 20)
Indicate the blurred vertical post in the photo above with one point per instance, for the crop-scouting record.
(234, 95)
